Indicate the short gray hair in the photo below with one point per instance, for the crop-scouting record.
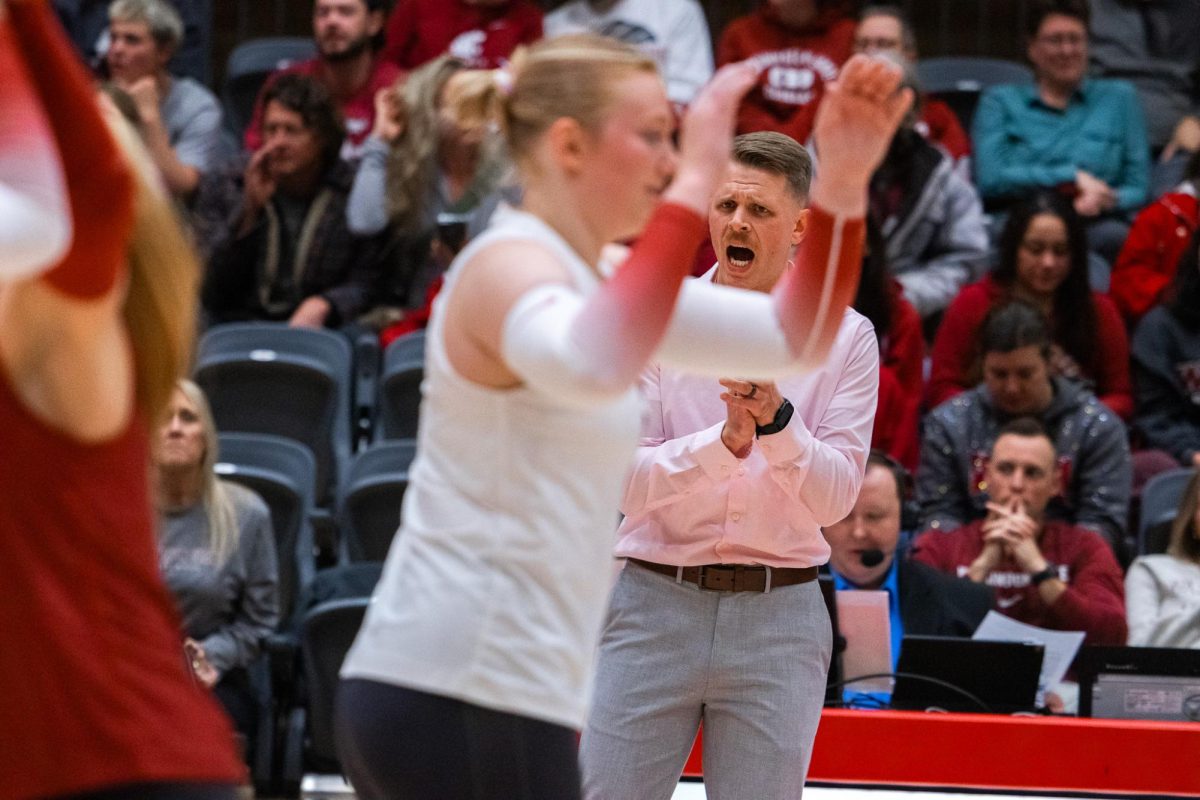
(778, 154)
(164, 22)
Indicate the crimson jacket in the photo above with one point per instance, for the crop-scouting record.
(483, 36)
(956, 343)
(797, 63)
(901, 383)
(1095, 598)
(1146, 265)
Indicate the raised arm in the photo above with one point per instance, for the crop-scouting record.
(722, 331)
(35, 220)
(99, 180)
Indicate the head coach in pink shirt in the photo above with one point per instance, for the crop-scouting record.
(717, 616)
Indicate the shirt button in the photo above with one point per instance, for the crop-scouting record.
(735, 516)
(741, 471)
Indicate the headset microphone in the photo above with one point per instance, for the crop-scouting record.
(871, 558)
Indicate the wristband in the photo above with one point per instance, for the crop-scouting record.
(783, 415)
(1038, 578)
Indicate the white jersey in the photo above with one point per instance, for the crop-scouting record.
(495, 587)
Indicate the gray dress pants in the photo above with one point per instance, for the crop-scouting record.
(751, 666)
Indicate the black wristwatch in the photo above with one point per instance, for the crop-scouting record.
(782, 417)
(1049, 572)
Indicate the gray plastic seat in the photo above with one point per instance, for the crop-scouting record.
(1160, 501)
(960, 80)
(290, 382)
(249, 66)
(371, 497)
(281, 471)
(399, 403)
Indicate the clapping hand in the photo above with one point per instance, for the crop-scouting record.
(1009, 525)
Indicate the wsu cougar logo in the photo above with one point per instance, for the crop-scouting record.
(468, 47)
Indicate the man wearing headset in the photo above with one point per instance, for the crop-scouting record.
(865, 554)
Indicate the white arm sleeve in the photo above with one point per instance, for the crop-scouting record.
(541, 345)
(35, 218)
(722, 331)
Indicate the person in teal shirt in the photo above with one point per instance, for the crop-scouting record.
(1084, 136)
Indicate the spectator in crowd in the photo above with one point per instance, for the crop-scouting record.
(179, 119)
(1043, 262)
(1152, 44)
(1046, 573)
(1166, 366)
(901, 354)
(800, 46)
(422, 164)
(1090, 440)
(480, 33)
(347, 34)
(673, 31)
(727, 471)
(930, 216)
(1156, 242)
(865, 554)
(86, 22)
(1082, 136)
(216, 550)
(887, 29)
(1162, 590)
(274, 235)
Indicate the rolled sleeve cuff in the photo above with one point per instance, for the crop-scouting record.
(789, 445)
(711, 454)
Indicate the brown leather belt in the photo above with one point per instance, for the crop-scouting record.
(733, 577)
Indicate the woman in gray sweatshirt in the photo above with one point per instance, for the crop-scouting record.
(217, 555)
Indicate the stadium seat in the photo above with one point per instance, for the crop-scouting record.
(1160, 500)
(248, 68)
(290, 382)
(369, 505)
(959, 81)
(281, 471)
(325, 638)
(400, 388)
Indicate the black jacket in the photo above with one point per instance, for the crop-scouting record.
(933, 603)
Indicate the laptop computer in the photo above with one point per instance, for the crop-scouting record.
(1150, 683)
(974, 675)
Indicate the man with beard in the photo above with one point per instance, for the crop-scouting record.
(717, 616)
(347, 34)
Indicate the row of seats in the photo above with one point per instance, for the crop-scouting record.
(313, 387)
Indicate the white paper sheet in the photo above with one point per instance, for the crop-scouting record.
(1061, 646)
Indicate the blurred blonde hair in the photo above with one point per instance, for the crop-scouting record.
(160, 301)
(1185, 538)
(566, 76)
(218, 505)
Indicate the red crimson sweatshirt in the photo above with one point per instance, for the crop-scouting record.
(483, 36)
(901, 384)
(954, 347)
(1147, 262)
(797, 65)
(1095, 598)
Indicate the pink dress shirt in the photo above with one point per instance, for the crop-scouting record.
(689, 501)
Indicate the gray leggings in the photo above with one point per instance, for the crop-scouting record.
(396, 744)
